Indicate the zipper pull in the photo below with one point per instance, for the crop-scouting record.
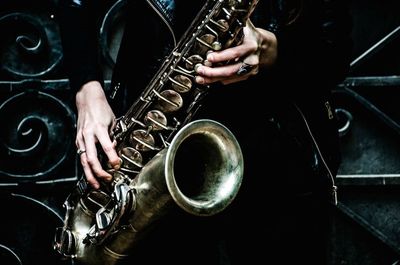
(334, 195)
(115, 90)
(329, 110)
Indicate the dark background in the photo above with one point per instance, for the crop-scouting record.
(38, 164)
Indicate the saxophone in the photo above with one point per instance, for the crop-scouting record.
(166, 158)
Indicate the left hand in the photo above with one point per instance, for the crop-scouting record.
(95, 119)
(258, 49)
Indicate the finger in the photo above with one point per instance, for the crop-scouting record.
(230, 74)
(80, 144)
(247, 69)
(113, 124)
(221, 72)
(109, 149)
(88, 172)
(92, 158)
(231, 54)
(240, 76)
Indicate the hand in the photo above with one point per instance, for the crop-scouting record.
(258, 49)
(95, 118)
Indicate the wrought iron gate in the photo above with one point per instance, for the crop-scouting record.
(38, 164)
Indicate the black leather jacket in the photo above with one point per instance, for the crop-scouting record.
(314, 49)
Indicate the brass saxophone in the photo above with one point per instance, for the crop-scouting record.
(162, 151)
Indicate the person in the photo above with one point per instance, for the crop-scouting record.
(280, 109)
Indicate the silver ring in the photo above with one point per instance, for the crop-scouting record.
(245, 68)
(80, 151)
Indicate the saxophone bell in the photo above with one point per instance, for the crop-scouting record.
(201, 171)
(204, 167)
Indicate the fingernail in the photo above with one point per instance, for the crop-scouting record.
(210, 57)
(207, 63)
(199, 69)
(199, 80)
(118, 165)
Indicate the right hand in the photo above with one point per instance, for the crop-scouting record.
(95, 119)
(259, 49)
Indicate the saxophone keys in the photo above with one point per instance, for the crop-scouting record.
(216, 45)
(181, 83)
(169, 101)
(192, 61)
(204, 43)
(142, 141)
(103, 219)
(156, 120)
(222, 24)
(131, 158)
(65, 242)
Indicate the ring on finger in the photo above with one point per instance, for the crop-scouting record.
(80, 151)
(245, 68)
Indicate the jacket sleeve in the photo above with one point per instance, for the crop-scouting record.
(78, 30)
(315, 47)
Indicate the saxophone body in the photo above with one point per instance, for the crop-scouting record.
(166, 158)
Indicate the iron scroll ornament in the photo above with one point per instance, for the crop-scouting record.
(30, 47)
(35, 124)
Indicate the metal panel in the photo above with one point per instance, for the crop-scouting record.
(365, 226)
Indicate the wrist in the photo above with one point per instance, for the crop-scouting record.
(89, 92)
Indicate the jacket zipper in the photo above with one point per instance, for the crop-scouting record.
(334, 187)
(163, 19)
